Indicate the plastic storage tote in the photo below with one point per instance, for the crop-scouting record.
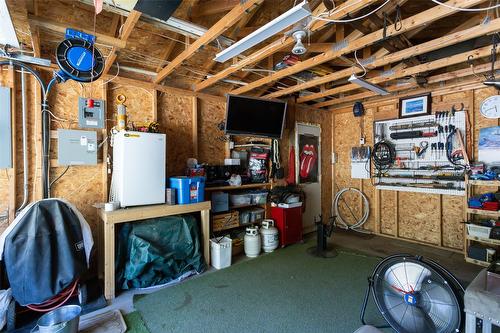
(221, 252)
(244, 217)
(220, 202)
(189, 189)
(240, 199)
(257, 214)
(259, 197)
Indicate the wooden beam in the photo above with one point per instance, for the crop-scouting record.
(194, 119)
(213, 7)
(215, 31)
(433, 65)
(233, 34)
(420, 19)
(433, 81)
(127, 28)
(271, 48)
(11, 78)
(382, 60)
(61, 28)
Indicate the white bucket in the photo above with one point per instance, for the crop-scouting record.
(221, 252)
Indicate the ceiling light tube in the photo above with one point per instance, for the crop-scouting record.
(367, 85)
(280, 23)
(7, 32)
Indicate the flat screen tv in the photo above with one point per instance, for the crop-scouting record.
(254, 116)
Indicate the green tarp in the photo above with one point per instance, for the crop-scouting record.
(157, 251)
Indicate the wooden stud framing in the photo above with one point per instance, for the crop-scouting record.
(342, 11)
(194, 118)
(215, 31)
(61, 28)
(444, 62)
(128, 26)
(13, 171)
(423, 18)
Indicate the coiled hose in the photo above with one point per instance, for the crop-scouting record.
(339, 220)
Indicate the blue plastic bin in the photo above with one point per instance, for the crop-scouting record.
(189, 189)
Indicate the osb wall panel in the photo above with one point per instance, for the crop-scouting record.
(425, 222)
(139, 103)
(452, 218)
(387, 212)
(176, 121)
(81, 185)
(419, 217)
(210, 147)
(347, 134)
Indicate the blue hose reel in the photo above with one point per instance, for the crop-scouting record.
(78, 59)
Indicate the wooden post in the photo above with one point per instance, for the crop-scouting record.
(194, 118)
(154, 109)
(13, 171)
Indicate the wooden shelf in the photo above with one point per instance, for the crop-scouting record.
(494, 242)
(484, 182)
(241, 187)
(483, 212)
(477, 262)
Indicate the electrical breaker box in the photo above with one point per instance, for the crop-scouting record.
(91, 112)
(5, 129)
(76, 147)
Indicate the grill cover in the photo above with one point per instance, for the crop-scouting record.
(45, 250)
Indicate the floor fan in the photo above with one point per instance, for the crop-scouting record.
(416, 295)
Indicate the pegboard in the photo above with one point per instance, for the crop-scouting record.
(414, 171)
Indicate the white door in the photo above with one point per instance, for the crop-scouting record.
(308, 170)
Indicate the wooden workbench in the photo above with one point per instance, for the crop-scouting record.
(139, 214)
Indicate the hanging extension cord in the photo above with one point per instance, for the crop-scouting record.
(341, 222)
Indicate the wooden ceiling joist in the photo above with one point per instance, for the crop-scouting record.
(379, 61)
(423, 18)
(429, 66)
(61, 28)
(237, 27)
(347, 7)
(127, 28)
(432, 80)
(215, 31)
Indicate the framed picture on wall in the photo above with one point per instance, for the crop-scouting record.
(415, 106)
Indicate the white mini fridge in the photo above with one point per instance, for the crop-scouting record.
(139, 164)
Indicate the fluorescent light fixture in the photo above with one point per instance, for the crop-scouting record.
(367, 85)
(7, 32)
(280, 23)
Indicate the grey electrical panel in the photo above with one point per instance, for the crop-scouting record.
(91, 112)
(76, 147)
(5, 129)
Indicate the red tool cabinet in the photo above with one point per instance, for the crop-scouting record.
(289, 224)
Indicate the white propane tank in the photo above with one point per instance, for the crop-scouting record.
(269, 234)
(252, 242)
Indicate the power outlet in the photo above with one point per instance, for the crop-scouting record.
(362, 140)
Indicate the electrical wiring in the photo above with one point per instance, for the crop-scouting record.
(466, 9)
(359, 63)
(59, 177)
(320, 18)
(114, 77)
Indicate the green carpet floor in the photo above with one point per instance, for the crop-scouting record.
(285, 291)
(134, 322)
